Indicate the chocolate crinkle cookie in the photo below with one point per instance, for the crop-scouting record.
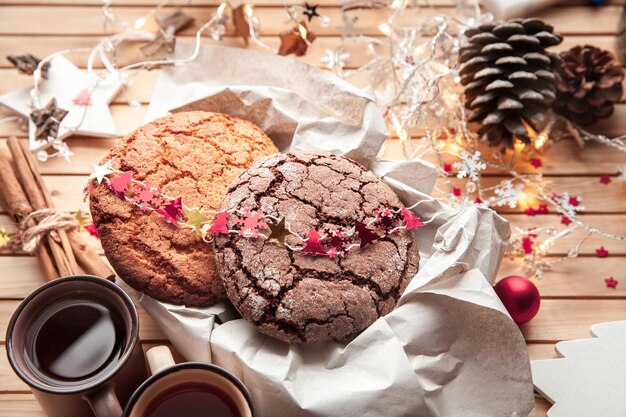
(192, 155)
(297, 297)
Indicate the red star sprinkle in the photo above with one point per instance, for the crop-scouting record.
(447, 167)
(574, 201)
(410, 220)
(530, 211)
(83, 98)
(220, 225)
(477, 200)
(171, 211)
(610, 282)
(605, 179)
(565, 220)
(91, 228)
(312, 246)
(601, 252)
(542, 209)
(366, 236)
(527, 244)
(456, 191)
(120, 183)
(536, 162)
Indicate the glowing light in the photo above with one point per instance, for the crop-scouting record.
(519, 145)
(222, 8)
(541, 140)
(248, 10)
(454, 147)
(385, 29)
(302, 31)
(139, 23)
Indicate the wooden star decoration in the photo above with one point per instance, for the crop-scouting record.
(279, 232)
(48, 120)
(310, 11)
(27, 64)
(296, 41)
(65, 83)
(242, 28)
(195, 220)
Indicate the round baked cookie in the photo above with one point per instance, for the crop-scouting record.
(194, 155)
(297, 297)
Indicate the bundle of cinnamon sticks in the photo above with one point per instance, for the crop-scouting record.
(62, 251)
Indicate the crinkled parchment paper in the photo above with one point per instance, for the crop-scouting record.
(448, 349)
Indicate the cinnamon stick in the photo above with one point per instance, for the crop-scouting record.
(87, 258)
(63, 257)
(19, 207)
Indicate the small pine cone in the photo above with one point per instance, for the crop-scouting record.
(589, 82)
(509, 77)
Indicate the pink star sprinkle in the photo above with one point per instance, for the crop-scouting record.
(611, 282)
(527, 244)
(91, 229)
(83, 98)
(456, 191)
(447, 167)
(542, 209)
(171, 211)
(530, 211)
(536, 162)
(601, 252)
(605, 179)
(565, 220)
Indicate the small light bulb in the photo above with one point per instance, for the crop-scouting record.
(455, 148)
(519, 145)
(248, 10)
(541, 140)
(385, 29)
(222, 8)
(302, 31)
(140, 22)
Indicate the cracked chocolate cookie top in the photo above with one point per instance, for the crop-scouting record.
(195, 156)
(297, 297)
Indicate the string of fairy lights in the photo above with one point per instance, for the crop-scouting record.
(413, 71)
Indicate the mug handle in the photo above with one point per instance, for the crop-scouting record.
(159, 358)
(104, 403)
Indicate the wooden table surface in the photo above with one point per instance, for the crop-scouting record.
(573, 295)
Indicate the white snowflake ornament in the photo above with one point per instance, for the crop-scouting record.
(508, 194)
(589, 379)
(470, 165)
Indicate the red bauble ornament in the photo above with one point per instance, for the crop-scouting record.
(520, 297)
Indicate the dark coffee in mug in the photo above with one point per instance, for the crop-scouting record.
(74, 340)
(192, 399)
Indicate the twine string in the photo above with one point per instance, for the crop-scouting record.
(46, 221)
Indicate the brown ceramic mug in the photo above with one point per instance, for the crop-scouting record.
(75, 342)
(189, 389)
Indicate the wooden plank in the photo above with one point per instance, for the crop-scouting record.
(560, 248)
(563, 158)
(570, 319)
(67, 192)
(575, 278)
(17, 20)
(148, 329)
(614, 224)
(43, 45)
(581, 277)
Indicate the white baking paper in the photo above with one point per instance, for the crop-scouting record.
(448, 349)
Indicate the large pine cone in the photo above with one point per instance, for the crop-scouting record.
(589, 83)
(509, 77)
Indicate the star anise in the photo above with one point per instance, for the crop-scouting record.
(27, 64)
(47, 120)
